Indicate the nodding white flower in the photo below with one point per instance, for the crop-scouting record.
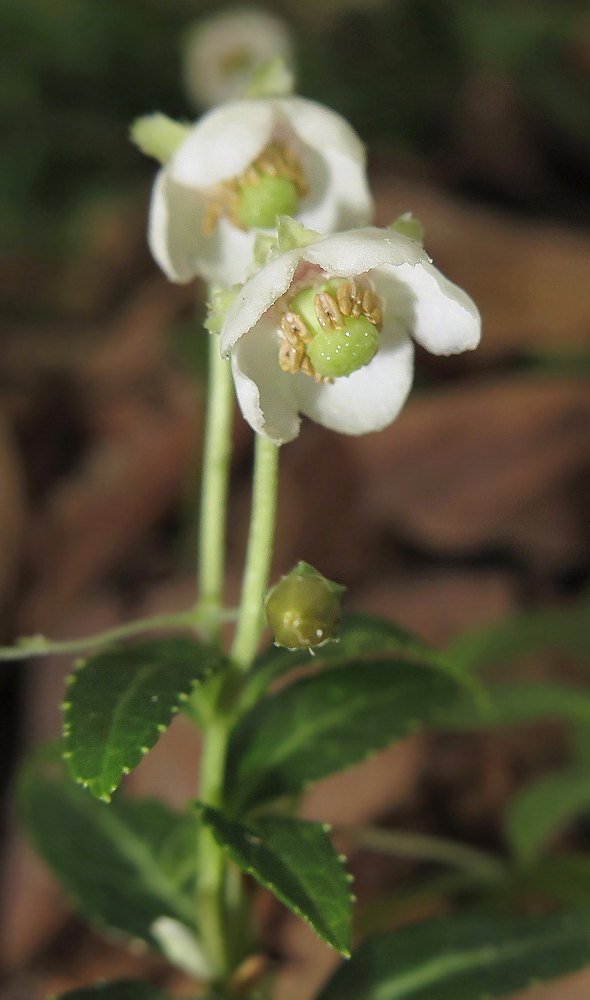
(221, 53)
(242, 165)
(325, 330)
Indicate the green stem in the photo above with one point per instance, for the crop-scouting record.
(214, 489)
(424, 847)
(259, 552)
(38, 645)
(212, 898)
(212, 863)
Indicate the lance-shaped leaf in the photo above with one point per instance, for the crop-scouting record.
(544, 807)
(294, 858)
(462, 958)
(519, 635)
(359, 634)
(520, 702)
(113, 861)
(120, 701)
(118, 989)
(325, 722)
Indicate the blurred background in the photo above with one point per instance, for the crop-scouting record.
(472, 506)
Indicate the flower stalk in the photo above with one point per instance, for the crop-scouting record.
(215, 475)
(259, 552)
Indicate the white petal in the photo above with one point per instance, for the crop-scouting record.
(368, 399)
(360, 250)
(223, 143)
(257, 295)
(321, 127)
(175, 227)
(438, 314)
(177, 241)
(266, 394)
(333, 158)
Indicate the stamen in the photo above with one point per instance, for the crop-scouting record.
(236, 198)
(327, 311)
(330, 331)
(344, 297)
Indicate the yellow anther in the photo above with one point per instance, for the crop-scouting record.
(327, 311)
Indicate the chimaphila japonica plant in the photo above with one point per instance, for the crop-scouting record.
(313, 311)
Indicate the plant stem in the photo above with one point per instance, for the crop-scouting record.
(211, 858)
(212, 904)
(214, 489)
(427, 848)
(258, 555)
(38, 645)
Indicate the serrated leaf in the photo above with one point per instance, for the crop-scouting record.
(108, 858)
(544, 807)
(462, 958)
(119, 702)
(519, 635)
(294, 858)
(118, 989)
(326, 722)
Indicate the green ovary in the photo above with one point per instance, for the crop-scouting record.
(340, 352)
(334, 353)
(260, 203)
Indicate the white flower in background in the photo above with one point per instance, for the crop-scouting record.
(324, 330)
(241, 166)
(221, 53)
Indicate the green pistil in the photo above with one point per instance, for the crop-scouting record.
(259, 204)
(340, 352)
(337, 352)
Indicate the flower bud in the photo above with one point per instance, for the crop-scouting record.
(408, 225)
(303, 608)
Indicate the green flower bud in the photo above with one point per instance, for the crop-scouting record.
(303, 608)
(408, 225)
(260, 203)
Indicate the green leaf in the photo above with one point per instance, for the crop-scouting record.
(521, 702)
(326, 722)
(113, 861)
(543, 808)
(462, 958)
(120, 701)
(359, 634)
(118, 989)
(522, 634)
(565, 879)
(294, 858)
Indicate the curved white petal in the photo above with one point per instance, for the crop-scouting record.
(369, 398)
(321, 127)
(438, 314)
(177, 241)
(361, 250)
(223, 143)
(258, 294)
(175, 227)
(333, 158)
(267, 395)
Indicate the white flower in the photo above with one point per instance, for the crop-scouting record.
(191, 232)
(407, 297)
(221, 53)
